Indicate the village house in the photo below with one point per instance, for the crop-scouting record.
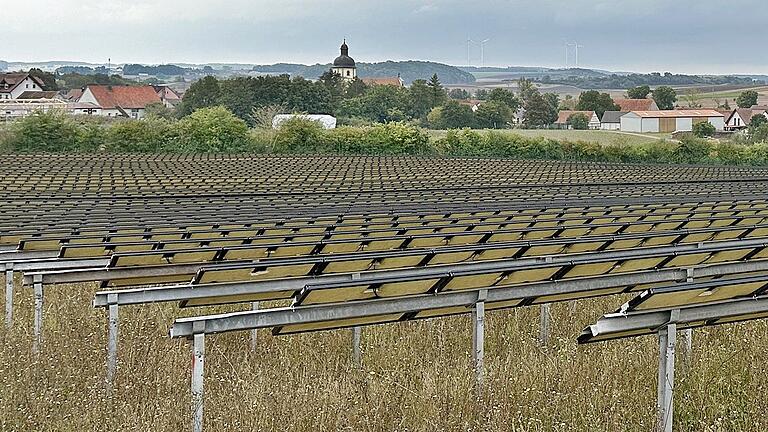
(120, 101)
(611, 120)
(12, 85)
(167, 95)
(741, 118)
(563, 116)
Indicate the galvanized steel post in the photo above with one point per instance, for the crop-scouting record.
(112, 341)
(198, 363)
(38, 288)
(357, 355)
(544, 324)
(254, 333)
(9, 295)
(478, 338)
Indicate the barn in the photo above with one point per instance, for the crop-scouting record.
(670, 121)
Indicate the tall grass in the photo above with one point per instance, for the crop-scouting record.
(416, 376)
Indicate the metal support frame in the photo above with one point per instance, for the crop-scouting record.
(9, 296)
(665, 394)
(38, 326)
(357, 355)
(254, 332)
(544, 320)
(478, 338)
(112, 343)
(198, 365)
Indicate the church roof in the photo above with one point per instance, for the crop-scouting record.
(344, 60)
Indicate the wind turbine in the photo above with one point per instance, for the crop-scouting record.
(469, 41)
(577, 46)
(482, 52)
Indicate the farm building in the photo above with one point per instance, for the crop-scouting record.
(120, 101)
(669, 121)
(636, 105)
(563, 116)
(611, 120)
(740, 118)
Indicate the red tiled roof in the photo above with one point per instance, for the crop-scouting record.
(393, 81)
(635, 104)
(127, 97)
(562, 116)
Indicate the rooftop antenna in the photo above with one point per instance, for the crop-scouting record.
(482, 52)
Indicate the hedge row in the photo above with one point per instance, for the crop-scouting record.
(216, 130)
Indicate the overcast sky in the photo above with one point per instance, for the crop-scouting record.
(697, 36)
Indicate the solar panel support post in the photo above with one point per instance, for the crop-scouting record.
(667, 383)
(198, 363)
(112, 342)
(38, 326)
(254, 332)
(357, 356)
(544, 319)
(478, 338)
(9, 295)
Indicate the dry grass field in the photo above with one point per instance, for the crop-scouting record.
(416, 376)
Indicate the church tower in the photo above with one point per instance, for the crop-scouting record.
(344, 65)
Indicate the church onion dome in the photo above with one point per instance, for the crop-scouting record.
(344, 60)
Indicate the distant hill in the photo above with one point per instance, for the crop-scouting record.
(601, 79)
(409, 71)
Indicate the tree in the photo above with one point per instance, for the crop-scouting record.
(553, 102)
(335, 85)
(481, 94)
(692, 97)
(639, 92)
(757, 120)
(526, 88)
(356, 88)
(453, 115)
(437, 91)
(538, 110)
(595, 101)
(704, 129)
(665, 97)
(458, 94)
(578, 121)
(158, 110)
(747, 99)
(493, 115)
(421, 98)
(505, 97)
(201, 94)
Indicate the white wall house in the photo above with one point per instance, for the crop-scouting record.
(120, 101)
(741, 118)
(669, 121)
(12, 109)
(612, 120)
(563, 116)
(12, 85)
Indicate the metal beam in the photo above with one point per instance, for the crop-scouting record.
(183, 292)
(644, 322)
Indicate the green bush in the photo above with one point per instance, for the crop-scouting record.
(210, 130)
(53, 131)
(300, 135)
(704, 129)
(147, 136)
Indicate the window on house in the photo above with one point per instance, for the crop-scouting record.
(348, 73)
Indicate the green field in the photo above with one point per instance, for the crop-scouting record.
(596, 136)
